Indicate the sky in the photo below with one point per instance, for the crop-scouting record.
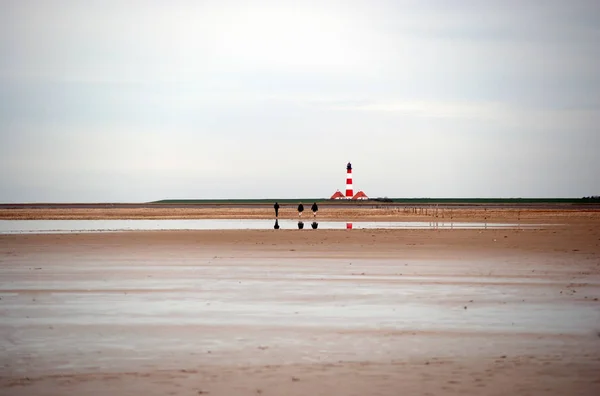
(135, 101)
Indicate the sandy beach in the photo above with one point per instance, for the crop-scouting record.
(291, 198)
(304, 312)
(349, 211)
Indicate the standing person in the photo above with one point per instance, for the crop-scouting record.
(300, 209)
(276, 206)
(314, 209)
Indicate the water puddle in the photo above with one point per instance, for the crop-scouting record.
(69, 226)
(91, 313)
(389, 311)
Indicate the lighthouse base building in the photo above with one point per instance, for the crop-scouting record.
(349, 188)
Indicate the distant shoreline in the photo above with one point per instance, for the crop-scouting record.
(457, 201)
(346, 211)
(388, 203)
(264, 202)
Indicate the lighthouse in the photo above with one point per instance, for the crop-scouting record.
(349, 190)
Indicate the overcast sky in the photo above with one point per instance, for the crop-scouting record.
(143, 100)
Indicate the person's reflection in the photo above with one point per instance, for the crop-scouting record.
(348, 226)
(314, 225)
(300, 225)
(276, 226)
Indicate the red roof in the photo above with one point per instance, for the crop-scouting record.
(360, 195)
(337, 195)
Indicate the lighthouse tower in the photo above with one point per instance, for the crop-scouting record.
(349, 190)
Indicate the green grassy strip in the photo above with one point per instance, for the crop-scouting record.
(395, 200)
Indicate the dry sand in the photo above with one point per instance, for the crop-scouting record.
(347, 212)
(303, 312)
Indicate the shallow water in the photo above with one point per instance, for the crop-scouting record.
(298, 293)
(69, 226)
(389, 310)
(91, 312)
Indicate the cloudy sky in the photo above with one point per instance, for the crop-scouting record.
(143, 100)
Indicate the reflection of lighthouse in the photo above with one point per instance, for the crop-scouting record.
(349, 190)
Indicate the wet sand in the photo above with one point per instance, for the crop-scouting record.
(297, 312)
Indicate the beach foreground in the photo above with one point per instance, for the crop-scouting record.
(297, 312)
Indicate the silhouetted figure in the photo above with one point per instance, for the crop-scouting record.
(314, 225)
(276, 206)
(300, 225)
(314, 209)
(300, 209)
(276, 226)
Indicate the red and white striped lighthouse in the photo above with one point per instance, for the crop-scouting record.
(349, 190)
